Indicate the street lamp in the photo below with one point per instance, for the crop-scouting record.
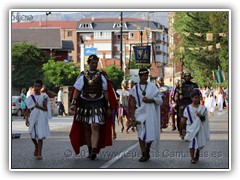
(148, 26)
(121, 19)
(47, 13)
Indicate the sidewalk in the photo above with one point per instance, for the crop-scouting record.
(18, 124)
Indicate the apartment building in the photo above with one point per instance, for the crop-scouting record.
(105, 35)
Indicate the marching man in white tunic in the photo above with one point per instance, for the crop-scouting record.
(39, 108)
(197, 126)
(145, 101)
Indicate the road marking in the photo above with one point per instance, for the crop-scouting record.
(113, 160)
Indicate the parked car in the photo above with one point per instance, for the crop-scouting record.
(16, 105)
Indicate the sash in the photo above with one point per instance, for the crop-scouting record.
(31, 102)
(138, 95)
(189, 114)
(33, 98)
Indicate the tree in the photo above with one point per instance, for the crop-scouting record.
(115, 75)
(27, 61)
(198, 60)
(59, 73)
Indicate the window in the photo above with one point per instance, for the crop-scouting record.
(102, 35)
(85, 25)
(69, 33)
(131, 35)
(70, 58)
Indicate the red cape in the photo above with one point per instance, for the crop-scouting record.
(77, 133)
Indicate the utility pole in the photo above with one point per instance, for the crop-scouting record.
(141, 34)
(47, 13)
(121, 37)
(148, 28)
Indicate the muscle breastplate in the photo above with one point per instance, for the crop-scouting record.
(92, 85)
(187, 89)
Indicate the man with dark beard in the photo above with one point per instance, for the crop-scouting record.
(183, 98)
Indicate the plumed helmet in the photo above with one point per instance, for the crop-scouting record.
(187, 74)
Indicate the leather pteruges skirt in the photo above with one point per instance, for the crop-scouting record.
(93, 111)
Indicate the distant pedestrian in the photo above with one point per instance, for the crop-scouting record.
(30, 91)
(173, 107)
(60, 101)
(130, 84)
(23, 104)
(220, 99)
(197, 129)
(210, 103)
(226, 96)
(39, 108)
(123, 106)
(165, 105)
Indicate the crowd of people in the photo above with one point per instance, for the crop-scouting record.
(145, 107)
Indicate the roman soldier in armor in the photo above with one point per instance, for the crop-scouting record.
(93, 100)
(182, 97)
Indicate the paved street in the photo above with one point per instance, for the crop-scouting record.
(125, 152)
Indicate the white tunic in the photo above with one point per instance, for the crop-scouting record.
(197, 131)
(148, 113)
(220, 102)
(210, 103)
(38, 121)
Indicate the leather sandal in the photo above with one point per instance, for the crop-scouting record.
(93, 154)
(122, 129)
(193, 161)
(38, 157)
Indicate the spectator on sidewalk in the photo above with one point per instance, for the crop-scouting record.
(23, 104)
(60, 101)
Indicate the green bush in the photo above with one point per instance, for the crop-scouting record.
(59, 73)
(115, 75)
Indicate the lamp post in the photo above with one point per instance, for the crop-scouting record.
(121, 60)
(47, 13)
(148, 32)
